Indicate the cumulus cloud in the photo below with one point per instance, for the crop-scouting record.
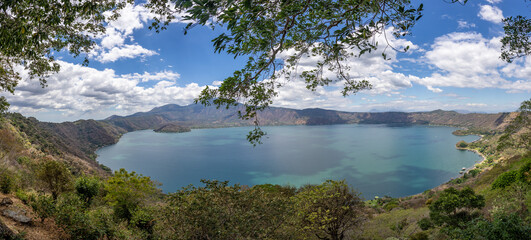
(78, 89)
(371, 67)
(118, 42)
(490, 13)
(468, 60)
(124, 51)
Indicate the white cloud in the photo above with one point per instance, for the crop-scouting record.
(118, 42)
(145, 77)
(468, 60)
(370, 66)
(125, 51)
(81, 90)
(490, 13)
(461, 24)
(494, 1)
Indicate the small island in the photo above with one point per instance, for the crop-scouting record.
(172, 128)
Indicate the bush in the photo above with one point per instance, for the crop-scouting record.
(23, 160)
(23, 196)
(7, 181)
(128, 191)
(524, 173)
(454, 208)
(419, 236)
(71, 217)
(505, 179)
(87, 188)
(144, 220)
(328, 210)
(55, 176)
(393, 203)
(425, 224)
(44, 206)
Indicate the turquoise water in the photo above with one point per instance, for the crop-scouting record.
(376, 160)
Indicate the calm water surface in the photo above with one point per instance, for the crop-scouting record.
(376, 160)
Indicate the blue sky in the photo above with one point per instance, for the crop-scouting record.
(453, 64)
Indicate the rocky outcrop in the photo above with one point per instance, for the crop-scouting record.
(18, 215)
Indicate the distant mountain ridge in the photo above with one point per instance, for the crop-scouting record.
(83, 137)
(197, 116)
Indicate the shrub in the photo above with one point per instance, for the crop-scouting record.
(87, 187)
(393, 203)
(23, 160)
(328, 210)
(524, 173)
(70, 215)
(23, 196)
(44, 206)
(505, 179)
(127, 191)
(144, 220)
(454, 207)
(7, 181)
(55, 176)
(419, 236)
(425, 224)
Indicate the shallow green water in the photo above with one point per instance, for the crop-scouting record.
(376, 160)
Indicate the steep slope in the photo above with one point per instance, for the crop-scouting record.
(80, 138)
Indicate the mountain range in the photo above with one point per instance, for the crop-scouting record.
(83, 137)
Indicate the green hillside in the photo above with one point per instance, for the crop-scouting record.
(49, 175)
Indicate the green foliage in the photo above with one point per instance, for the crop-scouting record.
(23, 196)
(503, 227)
(328, 210)
(425, 223)
(87, 188)
(23, 160)
(32, 30)
(472, 173)
(505, 179)
(128, 191)
(144, 220)
(7, 180)
(462, 144)
(419, 236)
(262, 30)
(391, 204)
(44, 206)
(55, 176)
(70, 215)
(454, 207)
(516, 42)
(220, 211)
(524, 173)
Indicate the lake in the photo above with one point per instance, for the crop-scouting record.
(376, 160)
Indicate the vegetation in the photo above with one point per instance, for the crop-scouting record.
(55, 177)
(32, 30)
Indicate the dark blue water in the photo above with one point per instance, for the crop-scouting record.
(376, 160)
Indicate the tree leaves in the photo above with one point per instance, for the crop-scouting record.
(262, 30)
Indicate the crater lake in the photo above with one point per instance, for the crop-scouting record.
(375, 160)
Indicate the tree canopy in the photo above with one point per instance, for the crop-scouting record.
(31, 31)
(276, 35)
